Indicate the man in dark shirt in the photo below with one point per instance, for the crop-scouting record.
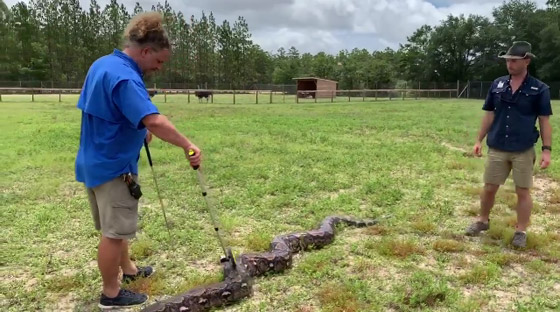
(512, 106)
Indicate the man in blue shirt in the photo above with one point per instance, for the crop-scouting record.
(117, 114)
(512, 106)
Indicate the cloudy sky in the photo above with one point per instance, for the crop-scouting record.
(326, 25)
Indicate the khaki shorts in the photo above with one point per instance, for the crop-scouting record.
(114, 210)
(500, 163)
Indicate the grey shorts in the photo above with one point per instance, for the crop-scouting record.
(500, 164)
(114, 210)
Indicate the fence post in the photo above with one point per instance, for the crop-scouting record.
(468, 89)
(376, 95)
(233, 96)
(32, 95)
(458, 88)
(315, 96)
(403, 93)
(481, 89)
(257, 97)
(270, 97)
(348, 95)
(332, 96)
(297, 96)
(59, 96)
(188, 96)
(212, 98)
(364, 95)
(0, 96)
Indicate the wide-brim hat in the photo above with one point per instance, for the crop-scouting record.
(519, 50)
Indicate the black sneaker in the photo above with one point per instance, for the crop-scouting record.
(519, 240)
(475, 228)
(142, 272)
(124, 299)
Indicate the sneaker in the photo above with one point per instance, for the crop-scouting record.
(519, 240)
(142, 272)
(124, 299)
(477, 227)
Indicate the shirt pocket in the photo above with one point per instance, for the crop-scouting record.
(498, 97)
(527, 101)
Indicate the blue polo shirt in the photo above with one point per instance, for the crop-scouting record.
(113, 101)
(515, 114)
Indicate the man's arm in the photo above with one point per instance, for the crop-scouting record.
(546, 135)
(484, 128)
(161, 127)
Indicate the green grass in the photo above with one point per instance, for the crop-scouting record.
(274, 169)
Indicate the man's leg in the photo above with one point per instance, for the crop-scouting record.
(487, 199)
(523, 177)
(496, 172)
(498, 167)
(108, 259)
(127, 266)
(524, 207)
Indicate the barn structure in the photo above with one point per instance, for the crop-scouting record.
(315, 87)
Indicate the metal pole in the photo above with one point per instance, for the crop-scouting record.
(156, 185)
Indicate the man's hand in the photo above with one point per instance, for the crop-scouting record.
(545, 159)
(148, 137)
(196, 158)
(477, 149)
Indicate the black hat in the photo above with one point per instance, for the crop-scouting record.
(519, 50)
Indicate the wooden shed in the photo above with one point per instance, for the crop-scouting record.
(316, 87)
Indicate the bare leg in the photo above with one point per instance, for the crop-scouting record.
(108, 259)
(127, 266)
(487, 198)
(524, 207)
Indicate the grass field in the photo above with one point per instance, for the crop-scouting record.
(275, 169)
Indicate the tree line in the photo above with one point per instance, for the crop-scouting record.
(57, 40)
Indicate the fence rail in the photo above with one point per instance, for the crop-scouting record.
(259, 96)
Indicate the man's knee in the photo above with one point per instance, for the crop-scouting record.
(111, 240)
(490, 189)
(523, 193)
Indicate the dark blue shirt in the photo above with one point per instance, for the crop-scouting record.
(515, 114)
(113, 100)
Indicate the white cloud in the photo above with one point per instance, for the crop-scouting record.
(327, 25)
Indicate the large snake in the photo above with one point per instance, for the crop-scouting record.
(238, 277)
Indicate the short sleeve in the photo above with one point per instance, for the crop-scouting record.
(132, 99)
(489, 104)
(544, 108)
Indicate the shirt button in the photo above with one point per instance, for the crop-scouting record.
(509, 106)
(506, 135)
(507, 116)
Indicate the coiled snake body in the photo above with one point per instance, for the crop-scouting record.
(238, 281)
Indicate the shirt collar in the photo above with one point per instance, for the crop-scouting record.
(128, 60)
(525, 80)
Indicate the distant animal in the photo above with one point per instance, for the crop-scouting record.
(152, 92)
(203, 94)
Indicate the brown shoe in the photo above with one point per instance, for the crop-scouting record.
(477, 227)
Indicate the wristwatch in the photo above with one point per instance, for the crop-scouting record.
(546, 147)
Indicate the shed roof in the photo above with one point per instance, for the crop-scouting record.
(313, 78)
